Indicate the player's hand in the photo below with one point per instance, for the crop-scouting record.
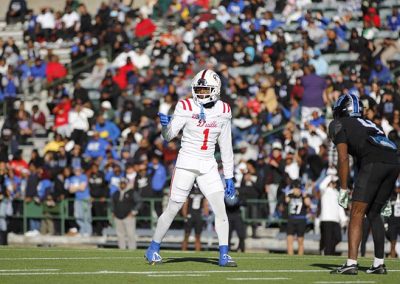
(164, 119)
(230, 188)
(343, 198)
(386, 210)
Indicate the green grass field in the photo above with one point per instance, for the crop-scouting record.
(57, 265)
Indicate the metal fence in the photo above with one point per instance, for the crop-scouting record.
(62, 213)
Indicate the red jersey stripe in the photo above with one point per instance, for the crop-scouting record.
(184, 105)
(224, 107)
(229, 107)
(189, 104)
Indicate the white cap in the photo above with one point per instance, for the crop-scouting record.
(203, 25)
(106, 104)
(277, 145)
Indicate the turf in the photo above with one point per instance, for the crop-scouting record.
(57, 265)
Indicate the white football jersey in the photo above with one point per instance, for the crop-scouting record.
(199, 137)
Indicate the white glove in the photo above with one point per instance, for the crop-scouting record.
(343, 199)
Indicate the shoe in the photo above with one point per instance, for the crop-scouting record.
(152, 255)
(346, 269)
(225, 259)
(381, 269)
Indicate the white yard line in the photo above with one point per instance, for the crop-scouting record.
(29, 270)
(180, 272)
(259, 279)
(178, 275)
(329, 282)
(71, 258)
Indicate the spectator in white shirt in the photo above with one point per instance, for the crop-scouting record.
(47, 22)
(78, 119)
(332, 215)
(71, 20)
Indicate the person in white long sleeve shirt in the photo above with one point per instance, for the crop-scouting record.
(79, 122)
(205, 121)
(332, 216)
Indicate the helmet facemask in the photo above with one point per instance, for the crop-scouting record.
(206, 91)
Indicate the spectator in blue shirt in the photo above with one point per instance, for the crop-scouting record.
(380, 73)
(78, 184)
(107, 129)
(96, 147)
(113, 178)
(158, 178)
(393, 20)
(236, 7)
(37, 75)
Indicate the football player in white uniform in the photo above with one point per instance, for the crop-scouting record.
(205, 120)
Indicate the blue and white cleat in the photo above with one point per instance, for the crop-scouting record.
(225, 260)
(152, 255)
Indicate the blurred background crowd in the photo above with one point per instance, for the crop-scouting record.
(282, 65)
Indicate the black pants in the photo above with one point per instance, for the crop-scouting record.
(365, 234)
(375, 183)
(158, 204)
(331, 235)
(3, 238)
(99, 209)
(79, 137)
(236, 224)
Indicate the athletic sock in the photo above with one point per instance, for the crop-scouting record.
(351, 262)
(165, 220)
(216, 200)
(377, 262)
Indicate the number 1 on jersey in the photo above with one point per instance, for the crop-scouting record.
(205, 132)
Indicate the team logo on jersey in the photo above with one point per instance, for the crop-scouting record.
(211, 124)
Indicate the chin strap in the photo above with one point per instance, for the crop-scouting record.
(202, 116)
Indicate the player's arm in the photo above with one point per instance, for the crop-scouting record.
(343, 164)
(225, 145)
(171, 126)
(307, 201)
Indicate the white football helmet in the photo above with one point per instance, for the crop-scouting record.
(206, 87)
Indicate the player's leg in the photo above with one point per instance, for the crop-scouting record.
(290, 230)
(300, 241)
(368, 181)
(211, 186)
(181, 184)
(289, 241)
(301, 229)
(198, 228)
(357, 213)
(375, 219)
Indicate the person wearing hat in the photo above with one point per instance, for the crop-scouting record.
(126, 203)
(107, 110)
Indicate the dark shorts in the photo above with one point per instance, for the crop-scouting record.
(195, 222)
(375, 183)
(296, 227)
(394, 229)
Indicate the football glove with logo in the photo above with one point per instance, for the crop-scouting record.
(230, 188)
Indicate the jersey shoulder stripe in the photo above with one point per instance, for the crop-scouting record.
(183, 104)
(226, 108)
(189, 104)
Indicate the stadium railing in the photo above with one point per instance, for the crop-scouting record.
(62, 213)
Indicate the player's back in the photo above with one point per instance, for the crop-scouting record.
(366, 141)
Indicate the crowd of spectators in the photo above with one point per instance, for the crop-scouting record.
(279, 84)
